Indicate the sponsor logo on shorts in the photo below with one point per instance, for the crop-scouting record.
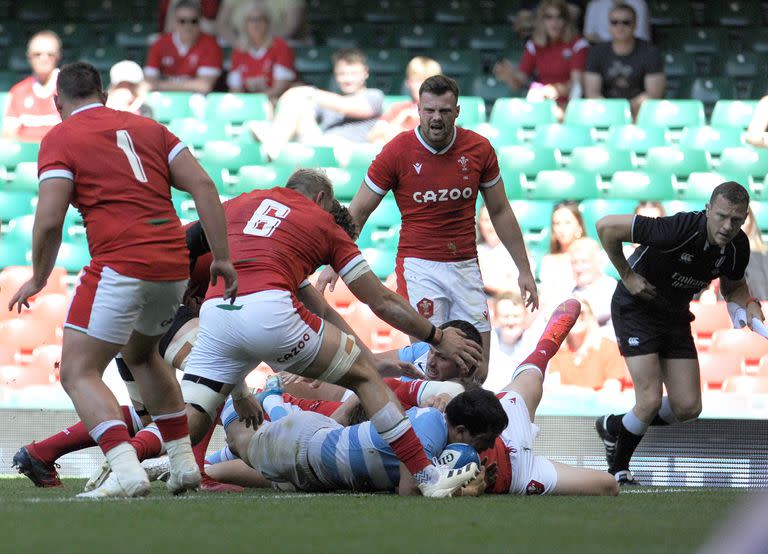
(295, 350)
(534, 487)
(426, 307)
(442, 195)
(633, 341)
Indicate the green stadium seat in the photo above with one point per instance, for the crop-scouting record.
(518, 112)
(14, 252)
(24, 177)
(386, 215)
(387, 61)
(744, 65)
(533, 215)
(457, 12)
(102, 57)
(733, 113)
(73, 256)
(170, 105)
(7, 80)
(472, 111)
(218, 174)
(760, 211)
(346, 182)
(637, 139)
(641, 185)
(422, 37)
(490, 89)
(710, 139)
(17, 60)
(527, 159)
(700, 185)
(710, 90)
(563, 137)
(494, 38)
(672, 207)
(702, 40)
(313, 59)
(11, 33)
(12, 153)
(16, 203)
(348, 35)
(295, 154)
(599, 113)
(744, 160)
(357, 155)
(669, 13)
(133, 35)
(195, 132)
(678, 161)
(384, 11)
(260, 177)
(381, 262)
(232, 155)
(601, 159)
(674, 114)
(679, 64)
(516, 185)
(320, 11)
(392, 83)
(733, 13)
(460, 62)
(499, 137)
(593, 209)
(236, 108)
(19, 229)
(756, 39)
(564, 184)
(36, 11)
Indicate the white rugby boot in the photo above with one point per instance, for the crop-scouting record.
(98, 478)
(119, 487)
(447, 481)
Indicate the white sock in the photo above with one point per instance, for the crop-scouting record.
(123, 461)
(180, 453)
(666, 413)
(633, 424)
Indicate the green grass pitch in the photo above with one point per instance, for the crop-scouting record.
(643, 520)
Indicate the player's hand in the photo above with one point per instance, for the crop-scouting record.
(754, 310)
(639, 286)
(491, 473)
(249, 410)
(327, 278)
(528, 290)
(464, 352)
(398, 368)
(410, 370)
(475, 487)
(438, 402)
(25, 292)
(225, 270)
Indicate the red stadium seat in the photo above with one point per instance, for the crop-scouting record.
(364, 322)
(762, 368)
(48, 358)
(23, 376)
(51, 308)
(745, 384)
(12, 277)
(388, 339)
(27, 333)
(8, 355)
(709, 318)
(341, 298)
(749, 345)
(716, 367)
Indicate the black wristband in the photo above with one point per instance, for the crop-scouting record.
(431, 336)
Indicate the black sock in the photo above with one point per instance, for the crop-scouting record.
(658, 420)
(625, 446)
(613, 424)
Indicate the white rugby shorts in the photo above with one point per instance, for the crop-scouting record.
(443, 291)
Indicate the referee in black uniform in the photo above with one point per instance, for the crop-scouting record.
(678, 256)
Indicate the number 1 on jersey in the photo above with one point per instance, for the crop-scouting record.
(266, 218)
(125, 144)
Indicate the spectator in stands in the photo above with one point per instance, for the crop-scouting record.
(757, 134)
(261, 62)
(596, 20)
(757, 268)
(591, 282)
(30, 112)
(128, 89)
(524, 18)
(496, 266)
(287, 18)
(555, 56)
(186, 59)
(587, 358)
(315, 116)
(404, 116)
(511, 341)
(556, 275)
(647, 208)
(208, 10)
(626, 67)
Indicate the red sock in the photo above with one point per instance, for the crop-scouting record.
(172, 426)
(409, 450)
(112, 437)
(201, 447)
(325, 407)
(542, 354)
(69, 440)
(147, 444)
(128, 418)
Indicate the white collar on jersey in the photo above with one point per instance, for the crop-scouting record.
(428, 147)
(87, 107)
(182, 48)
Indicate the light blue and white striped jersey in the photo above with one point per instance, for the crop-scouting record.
(416, 354)
(357, 458)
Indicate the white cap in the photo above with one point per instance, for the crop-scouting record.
(126, 71)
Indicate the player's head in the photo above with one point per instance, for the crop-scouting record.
(350, 69)
(509, 317)
(78, 83)
(475, 417)
(344, 219)
(314, 184)
(438, 110)
(622, 19)
(726, 212)
(186, 22)
(567, 226)
(44, 54)
(586, 261)
(418, 70)
(441, 368)
(256, 19)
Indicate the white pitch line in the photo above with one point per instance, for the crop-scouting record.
(195, 497)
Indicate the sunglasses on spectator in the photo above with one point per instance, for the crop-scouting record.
(625, 22)
(552, 16)
(190, 21)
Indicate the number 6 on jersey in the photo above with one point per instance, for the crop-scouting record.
(266, 218)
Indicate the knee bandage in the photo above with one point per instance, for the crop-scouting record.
(202, 396)
(343, 359)
(177, 344)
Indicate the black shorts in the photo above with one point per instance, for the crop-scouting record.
(183, 314)
(641, 329)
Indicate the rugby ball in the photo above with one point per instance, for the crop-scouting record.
(457, 454)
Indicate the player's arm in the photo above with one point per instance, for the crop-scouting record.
(614, 231)
(53, 200)
(355, 106)
(189, 176)
(738, 292)
(508, 230)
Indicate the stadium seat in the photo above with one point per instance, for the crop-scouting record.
(668, 13)
(499, 137)
(472, 111)
(19, 229)
(51, 308)
(313, 59)
(345, 182)
(236, 108)
(751, 345)
(679, 64)
(598, 113)
(641, 185)
(709, 318)
(26, 333)
(671, 207)
(24, 177)
(563, 137)
(517, 112)
(194, 132)
(710, 139)
(637, 139)
(387, 61)
(527, 159)
(744, 160)
(459, 62)
(8, 354)
(762, 368)
(601, 159)
(386, 215)
(564, 184)
(357, 155)
(493, 38)
(295, 154)
(18, 376)
(382, 262)
(167, 106)
(12, 277)
(533, 215)
(733, 113)
(671, 113)
(420, 37)
(716, 367)
(490, 89)
(516, 185)
(341, 298)
(16, 203)
(102, 57)
(47, 357)
(733, 13)
(73, 256)
(743, 65)
(746, 384)
(678, 161)
(757, 39)
(132, 35)
(702, 40)
(261, 177)
(231, 155)
(592, 209)
(7, 80)
(709, 90)
(12, 33)
(699, 185)
(12, 153)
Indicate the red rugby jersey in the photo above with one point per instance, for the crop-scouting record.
(257, 70)
(36, 114)
(169, 58)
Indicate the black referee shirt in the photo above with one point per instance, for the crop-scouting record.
(675, 256)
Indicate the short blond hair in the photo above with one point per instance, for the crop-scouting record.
(422, 67)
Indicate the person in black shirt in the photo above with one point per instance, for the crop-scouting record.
(678, 256)
(626, 67)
